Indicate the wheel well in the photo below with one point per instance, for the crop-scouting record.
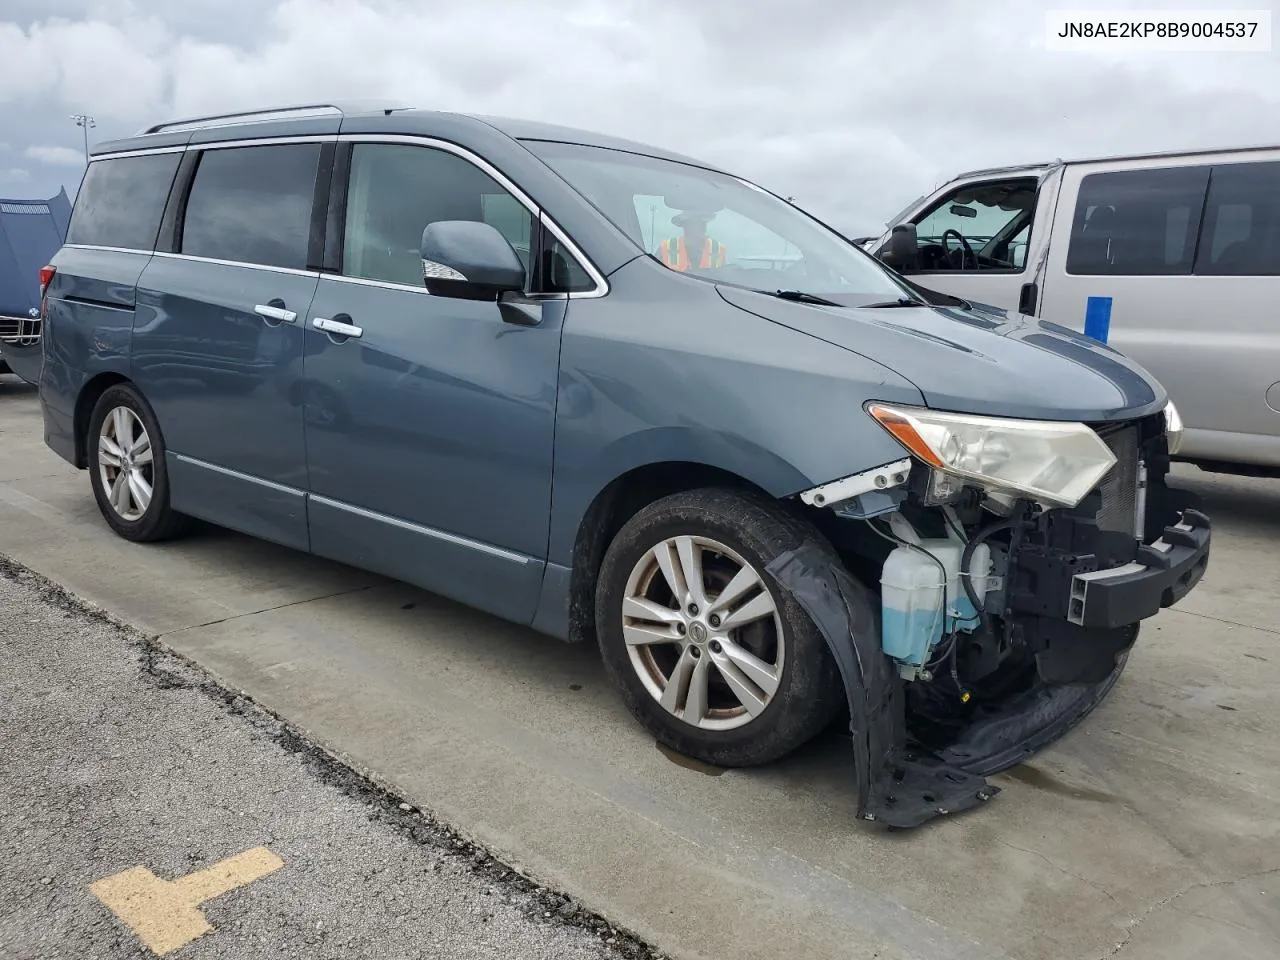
(860, 549)
(617, 503)
(89, 395)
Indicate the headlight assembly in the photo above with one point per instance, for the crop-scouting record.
(1051, 462)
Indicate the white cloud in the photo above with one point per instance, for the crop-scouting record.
(56, 156)
(13, 176)
(854, 110)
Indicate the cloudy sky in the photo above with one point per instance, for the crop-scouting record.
(851, 107)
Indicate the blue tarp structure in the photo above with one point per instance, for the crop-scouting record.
(31, 231)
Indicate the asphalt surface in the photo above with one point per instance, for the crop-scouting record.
(115, 755)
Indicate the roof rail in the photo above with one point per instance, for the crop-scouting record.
(290, 112)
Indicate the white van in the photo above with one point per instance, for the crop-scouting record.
(1173, 259)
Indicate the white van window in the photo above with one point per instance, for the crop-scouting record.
(1137, 222)
(1241, 235)
(980, 226)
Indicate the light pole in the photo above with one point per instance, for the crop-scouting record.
(84, 122)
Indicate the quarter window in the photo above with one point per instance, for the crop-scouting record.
(1241, 234)
(253, 205)
(396, 190)
(121, 201)
(561, 271)
(1137, 222)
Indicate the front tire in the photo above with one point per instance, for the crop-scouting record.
(127, 467)
(711, 654)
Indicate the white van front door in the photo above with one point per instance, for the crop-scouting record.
(981, 239)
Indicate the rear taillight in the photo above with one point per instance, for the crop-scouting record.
(46, 278)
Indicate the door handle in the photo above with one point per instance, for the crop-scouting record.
(337, 327)
(270, 311)
(1027, 299)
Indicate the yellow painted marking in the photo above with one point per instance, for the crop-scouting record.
(165, 915)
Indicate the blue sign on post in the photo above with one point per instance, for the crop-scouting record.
(1097, 318)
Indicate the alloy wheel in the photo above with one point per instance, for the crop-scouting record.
(125, 463)
(703, 633)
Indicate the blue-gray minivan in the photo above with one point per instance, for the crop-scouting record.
(627, 397)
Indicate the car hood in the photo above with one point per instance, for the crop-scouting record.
(981, 361)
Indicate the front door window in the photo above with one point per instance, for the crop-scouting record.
(983, 226)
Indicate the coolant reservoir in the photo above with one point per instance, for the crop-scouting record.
(923, 598)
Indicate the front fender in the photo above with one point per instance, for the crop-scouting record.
(663, 370)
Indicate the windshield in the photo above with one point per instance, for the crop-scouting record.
(717, 227)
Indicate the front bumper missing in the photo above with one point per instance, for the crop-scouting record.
(904, 785)
(1161, 575)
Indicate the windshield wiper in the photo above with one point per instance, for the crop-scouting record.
(799, 296)
(900, 302)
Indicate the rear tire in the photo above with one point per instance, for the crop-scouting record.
(731, 672)
(127, 467)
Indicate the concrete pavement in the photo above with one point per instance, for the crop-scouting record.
(145, 809)
(1150, 832)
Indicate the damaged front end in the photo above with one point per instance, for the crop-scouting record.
(987, 589)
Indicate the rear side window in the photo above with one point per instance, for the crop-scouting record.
(253, 205)
(1137, 222)
(121, 201)
(1241, 235)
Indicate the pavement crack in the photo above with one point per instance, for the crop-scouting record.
(1232, 623)
(1057, 866)
(1135, 922)
(254, 613)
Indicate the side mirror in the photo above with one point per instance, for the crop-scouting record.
(903, 250)
(469, 260)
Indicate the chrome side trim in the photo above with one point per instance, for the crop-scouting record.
(104, 249)
(238, 263)
(385, 284)
(263, 142)
(425, 531)
(143, 152)
(598, 278)
(236, 474)
(409, 288)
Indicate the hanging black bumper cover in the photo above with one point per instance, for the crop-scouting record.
(898, 785)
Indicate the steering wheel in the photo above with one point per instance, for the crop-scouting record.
(967, 252)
